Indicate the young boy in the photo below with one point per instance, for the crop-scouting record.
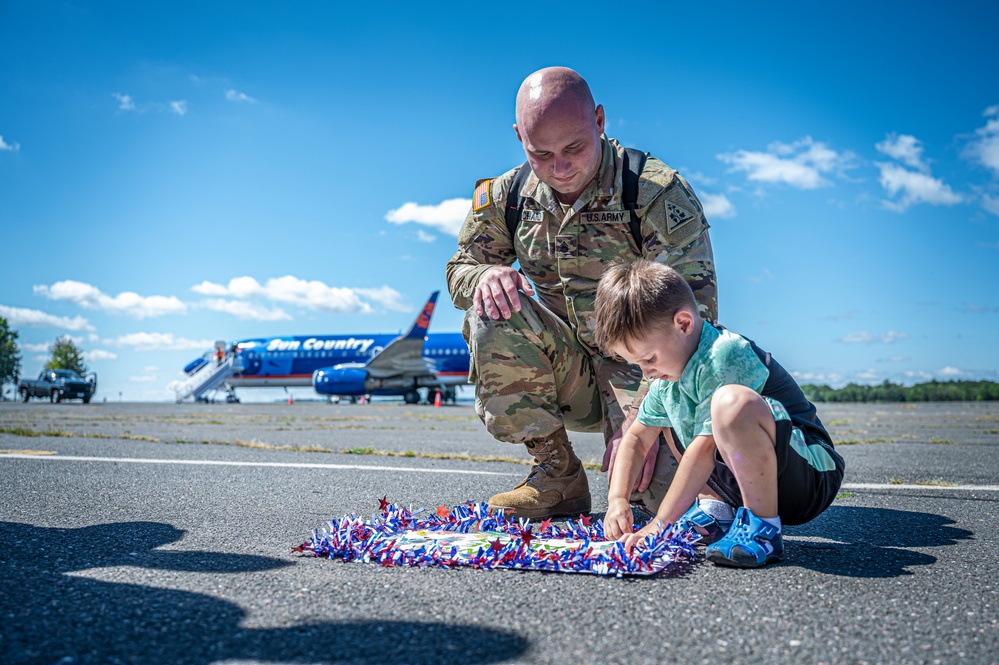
(736, 415)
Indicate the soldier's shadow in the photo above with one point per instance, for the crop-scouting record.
(50, 616)
(870, 542)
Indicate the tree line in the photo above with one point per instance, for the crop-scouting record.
(63, 354)
(931, 391)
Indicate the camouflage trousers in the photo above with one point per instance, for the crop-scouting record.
(532, 378)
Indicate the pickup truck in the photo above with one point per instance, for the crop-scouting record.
(57, 385)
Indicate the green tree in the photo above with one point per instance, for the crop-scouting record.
(66, 355)
(10, 355)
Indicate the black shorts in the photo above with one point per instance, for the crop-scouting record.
(803, 491)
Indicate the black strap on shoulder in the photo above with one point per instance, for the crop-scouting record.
(634, 162)
(514, 201)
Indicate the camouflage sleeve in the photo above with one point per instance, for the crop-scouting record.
(697, 265)
(484, 242)
(681, 241)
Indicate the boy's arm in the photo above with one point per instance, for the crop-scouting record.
(628, 462)
(696, 466)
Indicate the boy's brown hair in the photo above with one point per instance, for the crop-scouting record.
(632, 298)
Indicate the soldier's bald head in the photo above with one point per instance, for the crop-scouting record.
(552, 91)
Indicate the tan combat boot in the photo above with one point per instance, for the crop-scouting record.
(555, 487)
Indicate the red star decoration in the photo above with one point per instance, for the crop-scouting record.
(442, 511)
(495, 545)
(545, 525)
(383, 504)
(585, 520)
(527, 536)
(300, 548)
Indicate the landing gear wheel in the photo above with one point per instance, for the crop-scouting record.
(412, 397)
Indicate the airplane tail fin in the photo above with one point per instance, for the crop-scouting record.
(419, 329)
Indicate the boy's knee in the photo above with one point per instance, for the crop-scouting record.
(733, 403)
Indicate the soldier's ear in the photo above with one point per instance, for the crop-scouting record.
(600, 118)
(516, 130)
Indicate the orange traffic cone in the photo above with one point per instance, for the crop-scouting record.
(291, 400)
(362, 399)
(437, 400)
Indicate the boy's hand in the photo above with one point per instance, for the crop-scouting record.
(618, 521)
(630, 540)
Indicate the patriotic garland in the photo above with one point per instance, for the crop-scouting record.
(472, 535)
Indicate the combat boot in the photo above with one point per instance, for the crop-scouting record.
(555, 487)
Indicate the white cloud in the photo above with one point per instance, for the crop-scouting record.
(949, 371)
(142, 379)
(127, 302)
(985, 147)
(100, 354)
(12, 147)
(146, 341)
(387, 296)
(447, 216)
(245, 310)
(19, 316)
(423, 236)
(179, 107)
(207, 288)
(818, 377)
(801, 164)
(717, 206)
(864, 337)
(311, 294)
(125, 102)
(915, 187)
(236, 96)
(991, 204)
(35, 348)
(905, 148)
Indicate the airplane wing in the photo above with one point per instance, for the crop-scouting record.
(404, 354)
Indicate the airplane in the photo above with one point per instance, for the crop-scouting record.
(348, 366)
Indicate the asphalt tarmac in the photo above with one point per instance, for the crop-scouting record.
(162, 533)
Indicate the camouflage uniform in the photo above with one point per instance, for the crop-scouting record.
(539, 371)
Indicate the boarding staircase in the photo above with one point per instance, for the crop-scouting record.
(212, 376)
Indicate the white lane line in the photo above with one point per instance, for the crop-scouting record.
(290, 465)
(943, 488)
(359, 467)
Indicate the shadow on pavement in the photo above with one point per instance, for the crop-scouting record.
(49, 616)
(874, 542)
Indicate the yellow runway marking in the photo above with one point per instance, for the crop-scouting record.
(28, 452)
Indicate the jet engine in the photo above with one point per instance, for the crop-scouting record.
(340, 381)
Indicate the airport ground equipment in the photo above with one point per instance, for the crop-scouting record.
(211, 376)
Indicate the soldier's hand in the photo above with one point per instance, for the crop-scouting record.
(497, 293)
(610, 452)
(648, 467)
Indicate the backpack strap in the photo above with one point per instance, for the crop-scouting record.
(514, 201)
(634, 162)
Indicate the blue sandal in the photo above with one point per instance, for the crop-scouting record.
(695, 517)
(750, 543)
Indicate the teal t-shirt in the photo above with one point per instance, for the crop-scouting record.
(721, 358)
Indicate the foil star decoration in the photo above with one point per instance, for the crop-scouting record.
(585, 520)
(383, 503)
(442, 511)
(495, 545)
(527, 536)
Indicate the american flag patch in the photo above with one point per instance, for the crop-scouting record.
(481, 198)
